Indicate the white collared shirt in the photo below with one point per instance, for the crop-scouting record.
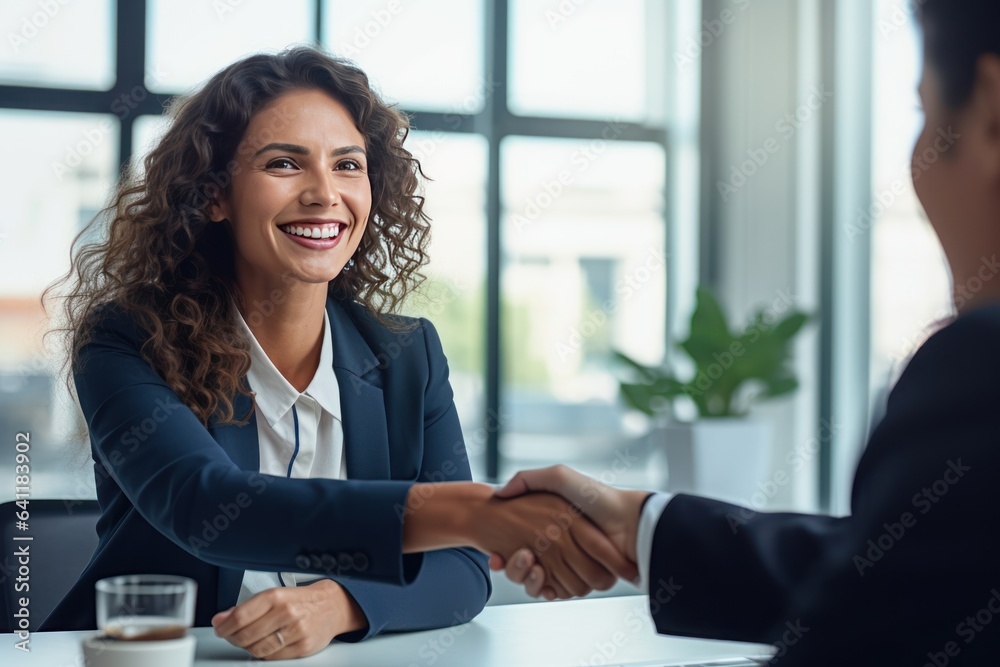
(650, 516)
(299, 434)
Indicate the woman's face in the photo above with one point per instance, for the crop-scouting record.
(300, 196)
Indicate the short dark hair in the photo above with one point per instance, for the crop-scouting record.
(956, 34)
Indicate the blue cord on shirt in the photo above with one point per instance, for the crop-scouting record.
(291, 462)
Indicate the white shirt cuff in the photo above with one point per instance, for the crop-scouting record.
(644, 535)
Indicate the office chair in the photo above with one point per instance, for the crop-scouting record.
(64, 538)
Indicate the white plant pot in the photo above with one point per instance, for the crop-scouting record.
(719, 458)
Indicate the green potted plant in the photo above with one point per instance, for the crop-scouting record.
(722, 451)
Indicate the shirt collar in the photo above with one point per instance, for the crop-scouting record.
(274, 394)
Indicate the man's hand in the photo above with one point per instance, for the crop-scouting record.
(285, 623)
(576, 555)
(614, 511)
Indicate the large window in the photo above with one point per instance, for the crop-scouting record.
(547, 150)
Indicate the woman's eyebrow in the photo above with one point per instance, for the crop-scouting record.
(302, 150)
(344, 150)
(285, 148)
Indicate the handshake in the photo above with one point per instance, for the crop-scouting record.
(558, 532)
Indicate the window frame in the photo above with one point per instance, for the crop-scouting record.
(494, 121)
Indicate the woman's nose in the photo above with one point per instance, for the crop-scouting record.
(322, 189)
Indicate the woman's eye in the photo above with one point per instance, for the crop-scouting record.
(281, 163)
(350, 165)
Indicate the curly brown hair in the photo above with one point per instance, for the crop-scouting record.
(163, 261)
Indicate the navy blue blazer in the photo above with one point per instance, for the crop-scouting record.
(178, 498)
(910, 577)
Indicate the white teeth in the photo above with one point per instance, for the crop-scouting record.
(313, 232)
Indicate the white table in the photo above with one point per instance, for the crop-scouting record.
(605, 631)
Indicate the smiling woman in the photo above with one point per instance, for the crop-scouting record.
(248, 276)
(271, 233)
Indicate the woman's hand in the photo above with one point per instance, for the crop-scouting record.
(522, 568)
(284, 623)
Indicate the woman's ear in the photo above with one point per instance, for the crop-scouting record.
(218, 209)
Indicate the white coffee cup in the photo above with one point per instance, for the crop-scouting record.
(99, 651)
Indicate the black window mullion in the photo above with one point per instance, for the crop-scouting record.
(492, 120)
(318, 10)
(130, 67)
(30, 98)
(129, 98)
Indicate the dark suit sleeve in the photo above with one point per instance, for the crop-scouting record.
(183, 483)
(892, 582)
(453, 584)
(722, 571)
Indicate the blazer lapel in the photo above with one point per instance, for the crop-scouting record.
(362, 405)
(239, 442)
(243, 447)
